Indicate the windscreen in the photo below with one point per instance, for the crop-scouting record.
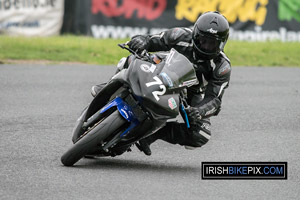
(178, 71)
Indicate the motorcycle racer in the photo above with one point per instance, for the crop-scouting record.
(203, 46)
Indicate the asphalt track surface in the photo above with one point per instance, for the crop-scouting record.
(260, 121)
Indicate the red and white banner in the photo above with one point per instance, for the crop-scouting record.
(250, 20)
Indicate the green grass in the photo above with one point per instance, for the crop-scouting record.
(106, 52)
(57, 49)
(263, 53)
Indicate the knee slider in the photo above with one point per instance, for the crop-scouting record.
(201, 138)
(202, 135)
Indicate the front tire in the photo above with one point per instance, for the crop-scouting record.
(93, 138)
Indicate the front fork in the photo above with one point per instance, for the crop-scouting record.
(127, 111)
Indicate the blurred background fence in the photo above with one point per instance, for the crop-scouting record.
(250, 20)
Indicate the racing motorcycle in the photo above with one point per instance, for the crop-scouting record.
(147, 90)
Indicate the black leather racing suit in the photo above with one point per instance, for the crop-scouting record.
(213, 76)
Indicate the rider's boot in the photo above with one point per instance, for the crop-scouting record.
(97, 88)
(144, 144)
(177, 133)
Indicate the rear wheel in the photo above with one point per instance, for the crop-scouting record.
(93, 138)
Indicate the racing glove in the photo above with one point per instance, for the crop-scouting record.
(139, 43)
(194, 115)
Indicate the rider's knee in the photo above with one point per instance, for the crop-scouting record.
(199, 136)
(200, 139)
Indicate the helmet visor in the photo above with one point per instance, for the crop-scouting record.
(207, 44)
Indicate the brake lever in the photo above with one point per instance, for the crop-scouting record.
(123, 46)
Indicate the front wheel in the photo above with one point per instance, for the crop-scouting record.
(93, 138)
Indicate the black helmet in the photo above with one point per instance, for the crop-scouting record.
(210, 35)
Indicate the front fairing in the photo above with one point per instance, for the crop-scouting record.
(178, 71)
(157, 86)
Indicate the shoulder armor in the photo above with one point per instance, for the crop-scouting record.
(224, 69)
(178, 34)
(224, 56)
(221, 66)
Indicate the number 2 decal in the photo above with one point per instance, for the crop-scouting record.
(161, 86)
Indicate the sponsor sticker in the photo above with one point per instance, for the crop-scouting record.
(190, 82)
(167, 79)
(147, 68)
(172, 103)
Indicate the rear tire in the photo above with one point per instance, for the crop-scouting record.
(100, 132)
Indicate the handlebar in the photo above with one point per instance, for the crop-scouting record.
(143, 55)
(123, 46)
